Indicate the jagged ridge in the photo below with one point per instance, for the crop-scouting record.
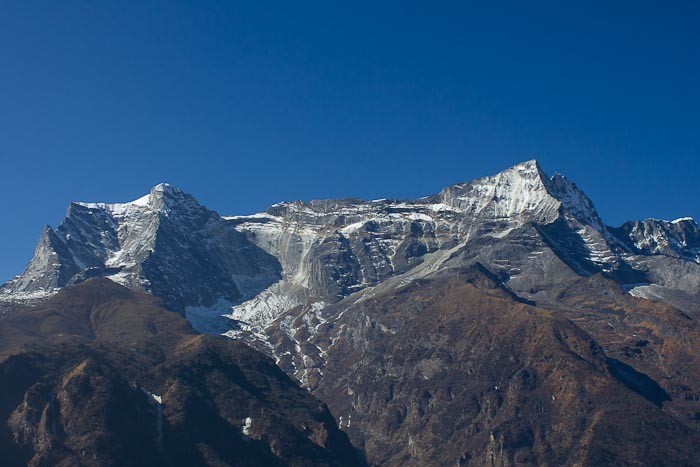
(255, 268)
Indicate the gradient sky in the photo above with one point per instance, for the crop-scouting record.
(247, 104)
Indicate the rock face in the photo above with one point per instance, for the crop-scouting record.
(499, 321)
(164, 242)
(331, 249)
(106, 376)
(256, 268)
(679, 238)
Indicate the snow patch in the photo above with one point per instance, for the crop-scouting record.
(119, 209)
(247, 425)
(349, 229)
(682, 219)
(210, 320)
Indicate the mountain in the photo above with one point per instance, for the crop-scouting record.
(454, 370)
(164, 242)
(679, 238)
(257, 267)
(101, 375)
(505, 299)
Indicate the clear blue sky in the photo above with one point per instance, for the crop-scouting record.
(247, 104)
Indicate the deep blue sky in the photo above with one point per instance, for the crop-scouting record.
(244, 105)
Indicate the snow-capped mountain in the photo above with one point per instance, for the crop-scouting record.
(164, 242)
(331, 249)
(254, 269)
(679, 238)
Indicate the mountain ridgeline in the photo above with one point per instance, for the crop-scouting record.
(497, 322)
(168, 244)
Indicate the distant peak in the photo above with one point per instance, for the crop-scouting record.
(166, 190)
(168, 198)
(165, 187)
(529, 163)
(529, 166)
(155, 199)
(530, 170)
(683, 219)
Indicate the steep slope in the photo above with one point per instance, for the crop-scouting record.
(164, 242)
(679, 238)
(667, 256)
(101, 375)
(331, 249)
(454, 370)
(535, 233)
(253, 269)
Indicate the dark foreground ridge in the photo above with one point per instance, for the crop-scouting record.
(453, 371)
(100, 375)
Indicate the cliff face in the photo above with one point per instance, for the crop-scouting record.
(164, 242)
(255, 268)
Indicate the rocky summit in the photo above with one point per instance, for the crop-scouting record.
(497, 322)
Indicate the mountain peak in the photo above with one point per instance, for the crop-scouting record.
(161, 197)
(530, 170)
(678, 238)
(528, 165)
(516, 195)
(575, 201)
(156, 242)
(165, 187)
(165, 196)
